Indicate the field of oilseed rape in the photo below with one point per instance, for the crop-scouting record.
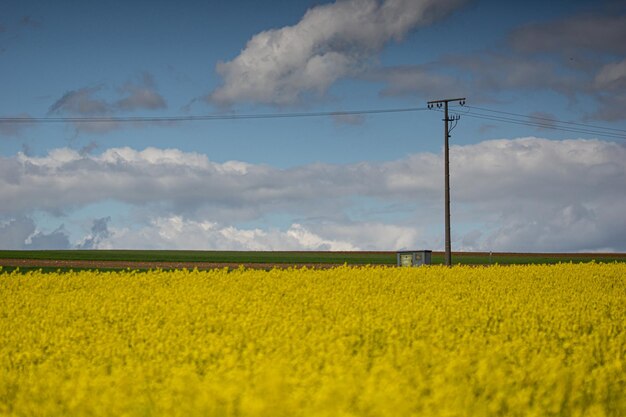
(367, 341)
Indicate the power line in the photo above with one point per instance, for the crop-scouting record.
(510, 120)
(547, 119)
(545, 126)
(209, 117)
(518, 119)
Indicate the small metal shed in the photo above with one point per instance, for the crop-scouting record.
(414, 257)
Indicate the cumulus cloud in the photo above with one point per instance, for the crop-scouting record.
(330, 42)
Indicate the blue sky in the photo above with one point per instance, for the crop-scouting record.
(340, 183)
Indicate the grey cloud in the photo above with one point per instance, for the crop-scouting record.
(15, 129)
(27, 150)
(587, 45)
(480, 77)
(99, 232)
(604, 33)
(574, 57)
(545, 119)
(491, 73)
(138, 94)
(21, 233)
(89, 148)
(330, 42)
(568, 227)
(486, 128)
(424, 81)
(471, 241)
(58, 239)
(612, 76)
(141, 95)
(15, 231)
(30, 22)
(496, 71)
(610, 89)
(612, 108)
(81, 102)
(349, 119)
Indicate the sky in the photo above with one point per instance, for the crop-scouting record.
(538, 156)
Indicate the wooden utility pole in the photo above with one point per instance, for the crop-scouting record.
(446, 163)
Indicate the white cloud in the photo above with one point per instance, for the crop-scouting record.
(528, 193)
(330, 42)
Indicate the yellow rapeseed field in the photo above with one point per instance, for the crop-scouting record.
(368, 341)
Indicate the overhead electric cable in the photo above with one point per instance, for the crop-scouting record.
(546, 126)
(139, 119)
(548, 119)
(543, 125)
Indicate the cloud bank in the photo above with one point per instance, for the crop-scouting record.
(330, 42)
(527, 194)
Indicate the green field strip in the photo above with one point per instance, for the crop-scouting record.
(284, 257)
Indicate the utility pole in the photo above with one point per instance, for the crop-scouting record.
(446, 162)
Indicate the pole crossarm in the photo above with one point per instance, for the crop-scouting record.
(448, 100)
